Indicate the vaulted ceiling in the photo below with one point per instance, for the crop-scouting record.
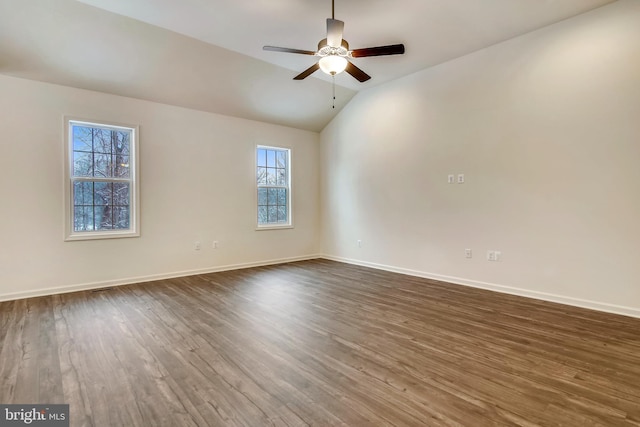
(207, 54)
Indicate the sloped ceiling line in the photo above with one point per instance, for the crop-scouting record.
(208, 55)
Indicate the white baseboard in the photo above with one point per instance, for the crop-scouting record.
(149, 278)
(577, 302)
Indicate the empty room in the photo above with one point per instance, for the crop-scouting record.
(320, 213)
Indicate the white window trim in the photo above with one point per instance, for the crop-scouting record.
(134, 203)
(265, 227)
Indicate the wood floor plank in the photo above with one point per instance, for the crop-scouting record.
(49, 380)
(318, 343)
(13, 315)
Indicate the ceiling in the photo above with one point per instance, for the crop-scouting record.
(207, 54)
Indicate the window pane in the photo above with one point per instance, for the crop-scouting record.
(121, 195)
(262, 176)
(102, 193)
(102, 142)
(120, 166)
(122, 142)
(262, 215)
(103, 217)
(281, 161)
(282, 197)
(82, 193)
(102, 166)
(282, 214)
(262, 157)
(82, 164)
(271, 158)
(273, 213)
(83, 218)
(271, 176)
(78, 223)
(82, 138)
(121, 217)
(262, 196)
(272, 196)
(281, 176)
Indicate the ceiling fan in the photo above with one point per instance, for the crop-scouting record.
(334, 52)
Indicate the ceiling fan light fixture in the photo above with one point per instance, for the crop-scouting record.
(333, 64)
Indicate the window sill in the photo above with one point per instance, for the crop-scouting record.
(273, 227)
(100, 235)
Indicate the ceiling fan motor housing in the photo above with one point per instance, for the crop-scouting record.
(325, 50)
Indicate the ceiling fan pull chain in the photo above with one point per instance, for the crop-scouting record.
(334, 91)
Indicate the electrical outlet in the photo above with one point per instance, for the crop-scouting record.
(215, 244)
(197, 245)
(468, 253)
(461, 178)
(494, 256)
(451, 179)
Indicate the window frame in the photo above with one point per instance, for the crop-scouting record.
(134, 182)
(289, 186)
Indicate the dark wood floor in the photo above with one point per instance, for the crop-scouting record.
(318, 343)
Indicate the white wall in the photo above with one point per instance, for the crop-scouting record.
(546, 128)
(197, 183)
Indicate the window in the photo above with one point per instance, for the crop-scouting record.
(101, 188)
(273, 177)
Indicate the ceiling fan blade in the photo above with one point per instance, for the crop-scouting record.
(335, 29)
(394, 49)
(306, 73)
(288, 50)
(356, 72)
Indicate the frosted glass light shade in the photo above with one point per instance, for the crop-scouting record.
(333, 64)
